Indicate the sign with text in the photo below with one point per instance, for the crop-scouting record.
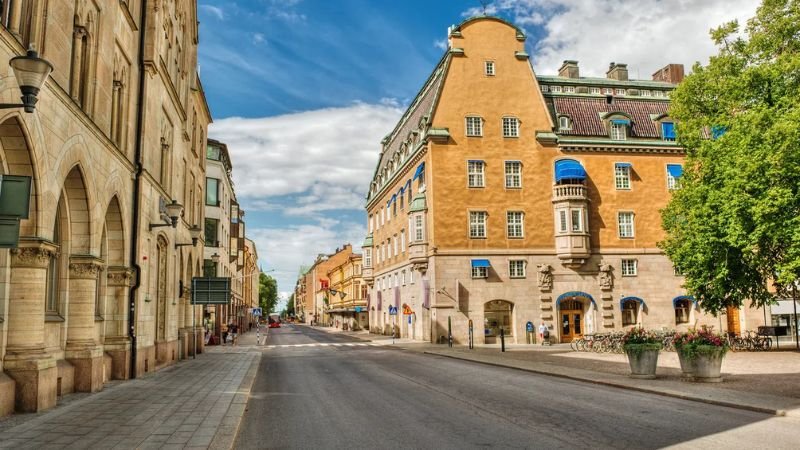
(211, 290)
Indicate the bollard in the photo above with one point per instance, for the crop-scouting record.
(502, 340)
(449, 332)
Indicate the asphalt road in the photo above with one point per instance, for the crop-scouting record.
(376, 397)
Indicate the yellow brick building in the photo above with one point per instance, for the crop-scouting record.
(505, 198)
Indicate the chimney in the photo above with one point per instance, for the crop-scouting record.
(617, 71)
(671, 73)
(569, 69)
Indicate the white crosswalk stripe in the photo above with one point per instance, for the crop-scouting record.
(323, 344)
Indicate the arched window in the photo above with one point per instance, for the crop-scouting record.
(630, 312)
(564, 123)
(683, 308)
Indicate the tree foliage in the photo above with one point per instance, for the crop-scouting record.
(267, 293)
(733, 227)
(289, 309)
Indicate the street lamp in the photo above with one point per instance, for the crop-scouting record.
(174, 210)
(30, 72)
(194, 233)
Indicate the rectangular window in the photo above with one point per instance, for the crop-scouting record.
(418, 231)
(396, 245)
(403, 277)
(658, 93)
(672, 180)
(212, 152)
(515, 224)
(644, 93)
(594, 90)
(513, 174)
(620, 91)
(668, 131)
(608, 91)
(403, 241)
(544, 88)
(212, 192)
(577, 220)
(367, 257)
(569, 89)
(474, 126)
(489, 67)
(211, 232)
(475, 171)
(555, 88)
(510, 127)
(622, 176)
(411, 276)
(477, 224)
(628, 267)
(562, 221)
(625, 224)
(480, 272)
(516, 268)
(618, 131)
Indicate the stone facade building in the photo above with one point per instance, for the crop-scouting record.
(347, 295)
(504, 198)
(95, 291)
(312, 291)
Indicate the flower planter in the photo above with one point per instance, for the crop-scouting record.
(643, 359)
(702, 363)
(687, 366)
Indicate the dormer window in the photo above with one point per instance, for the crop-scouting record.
(668, 131)
(555, 88)
(618, 129)
(569, 89)
(594, 90)
(620, 91)
(564, 123)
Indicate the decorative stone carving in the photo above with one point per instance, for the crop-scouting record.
(119, 276)
(604, 277)
(545, 277)
(36, 257)
(187, 292)
(85, 267)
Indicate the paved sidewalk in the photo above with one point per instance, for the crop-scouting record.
(197, 403)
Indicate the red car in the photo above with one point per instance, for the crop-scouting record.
(275, 325)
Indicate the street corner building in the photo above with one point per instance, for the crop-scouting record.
(97, 287)
(504, 200)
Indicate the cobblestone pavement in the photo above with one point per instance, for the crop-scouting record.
(197, 403)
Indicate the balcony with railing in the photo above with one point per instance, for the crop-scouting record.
(568, 192)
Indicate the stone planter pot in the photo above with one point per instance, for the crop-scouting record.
(643, 360)
(704, 364)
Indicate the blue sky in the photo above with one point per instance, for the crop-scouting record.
(302, 91)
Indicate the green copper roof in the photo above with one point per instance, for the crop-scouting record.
(554, 79)
(418, 203)
(367, 241)
(438, 132)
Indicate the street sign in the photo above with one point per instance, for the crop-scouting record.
(407, 310)
(257, 312)
(211, 291)
(392, 310)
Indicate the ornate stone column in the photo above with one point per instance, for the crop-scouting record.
(77, 62)
(83, 350)
(117, 343)
(26, 361)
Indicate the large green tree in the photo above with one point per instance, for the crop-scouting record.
(289, 309)
(733, 227)
(267, 293)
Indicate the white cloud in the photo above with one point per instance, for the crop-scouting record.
(645, 34)
(259, 38)
(286, 249)
(323, 159)
(440, 44)
(214, 11)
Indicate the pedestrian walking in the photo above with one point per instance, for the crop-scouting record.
(542, 330)
(235, 333)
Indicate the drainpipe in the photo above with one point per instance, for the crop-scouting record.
(137, 183)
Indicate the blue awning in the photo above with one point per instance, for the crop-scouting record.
(623, 164)
(629, 299)
(481, 263)
(401, 191)
(475, 160)
(683, 297)
(408, 184)
(620, 121)
(389, 203)
(573, 295)
(668, 130)
(420, 169)
(569, 169)
(675, 170)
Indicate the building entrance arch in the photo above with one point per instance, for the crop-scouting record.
(497, 316)
(574, 315)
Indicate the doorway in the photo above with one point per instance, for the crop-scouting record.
(571, 314)
(496, 317)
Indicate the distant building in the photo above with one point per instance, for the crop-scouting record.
(347, 295)
(505, 198)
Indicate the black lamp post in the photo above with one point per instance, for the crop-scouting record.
(30, 72)
(174, 210)
(194, 232)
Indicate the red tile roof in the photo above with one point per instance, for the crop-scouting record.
(585, 114)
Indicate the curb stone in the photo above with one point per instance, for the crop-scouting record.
(225, 436)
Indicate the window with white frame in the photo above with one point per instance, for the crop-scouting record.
(644, 93)
(629, 267)
(618, 131)
(620, 91)
(367, 257)
(489, 68)
(475, 171)
(658, 93)
(562, 221)
(477, 224)
(608, 91)
(682, 310)
(396, 280)
(577, 220)
(555, 88)
(564, 123)
(513, 174)
(516, 268)
(403, 277)
(396, 245)
(418, 230)
(474, 126)
(515, 224)
(544, 88)
(622, 176)
(370, 223)
(594, 90)
(510, 127)
(411, 276)
(569, 89)
(672, 181)
(625, 224)
(403, 241)
(480, 272)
